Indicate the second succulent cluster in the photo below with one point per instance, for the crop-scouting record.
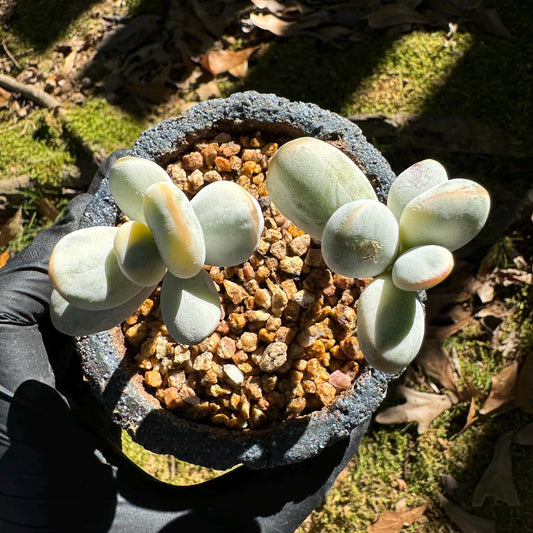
(406, 245)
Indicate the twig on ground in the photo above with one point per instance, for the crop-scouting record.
(10, 55)
(37, 96)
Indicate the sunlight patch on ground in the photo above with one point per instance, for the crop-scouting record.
(416, 65)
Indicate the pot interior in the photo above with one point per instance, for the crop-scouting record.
(113, 372)
(286, 344)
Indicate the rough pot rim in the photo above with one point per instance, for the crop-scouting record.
(115, 381)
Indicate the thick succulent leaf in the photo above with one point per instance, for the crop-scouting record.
(74, 321)
(360, 239)
(422, 268)
(309, 179)
(450, 215)
(176, 229)
(190, 307)
(413, 181)
(390, 325)
(137, 254)
(231, 221)
(129, 177)
(84, 269)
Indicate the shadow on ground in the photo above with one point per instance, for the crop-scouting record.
(41, 22)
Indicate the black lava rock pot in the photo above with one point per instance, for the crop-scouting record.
(114, 378)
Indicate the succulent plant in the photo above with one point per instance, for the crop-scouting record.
(311, 179)
(360, 239)
(102, 274)
(407, 244)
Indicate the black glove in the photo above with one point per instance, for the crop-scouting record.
(61, 468)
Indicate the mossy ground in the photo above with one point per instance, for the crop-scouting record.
(464, 72)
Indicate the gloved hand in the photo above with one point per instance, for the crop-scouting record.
(61, 468)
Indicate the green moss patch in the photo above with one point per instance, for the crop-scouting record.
(165, 467)
(103, 126)
(35, 147)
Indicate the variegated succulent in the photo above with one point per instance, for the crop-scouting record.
(406, 245)
(103, 274)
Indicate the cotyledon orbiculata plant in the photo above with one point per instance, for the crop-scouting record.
(102, 274)
(405, 245)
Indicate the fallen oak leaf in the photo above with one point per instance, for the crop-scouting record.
(50, 211)
(471, 416)
(436, 363)
(497, 480)
(524, 386)
(502, 392)
(220, 61)
(466, 522)
(12, 228)
(496, 309)
(513, 276)
(490, 20)
(214, 24)
(420, 407)
(395, 521)
(206, 91)
(5, 97)
(272, 5)
(486, 291)
(272, 24)
(12, 186)
(394, 15)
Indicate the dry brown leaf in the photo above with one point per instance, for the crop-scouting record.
(485, 291)
(69, 63)
(14, 185)
(502, 392)
(208, 90)
(394, 15)
(497, 480)
(272, 5)
(4, 258)
(496, 309)
(272, 24)
(471, 416)
(11, 229)
(4, 98)
(395, 521)
(49, 209)
(459, 316)
(214, 23)
(436, 363)
(420, 407)
(524, 386)
(524, 436)
(466, 522)
(513, 276)
(220, 61)
(490, 20)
